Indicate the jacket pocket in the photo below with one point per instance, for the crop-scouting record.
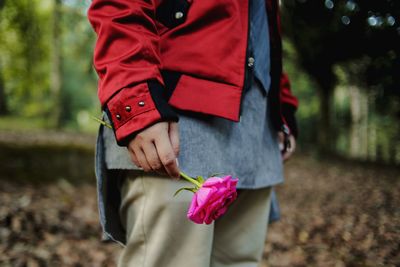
(171, 13)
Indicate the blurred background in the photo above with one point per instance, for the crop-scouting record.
(340, 203)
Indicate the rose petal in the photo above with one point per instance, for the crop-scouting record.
(212, 181)
(211, 200)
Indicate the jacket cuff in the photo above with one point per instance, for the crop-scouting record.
(135, 108)
(288, 112)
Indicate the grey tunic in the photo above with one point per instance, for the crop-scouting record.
(247, 149)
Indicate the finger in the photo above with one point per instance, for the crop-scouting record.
(134, 158)
(281, 137)
(286, 155)
(280, 141)
(290, 150)
(167, 155)
(173, 133)
(151, 155)
(142, 159)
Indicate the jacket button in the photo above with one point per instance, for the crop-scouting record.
(128, 108)
(178, 15)
(118, 117)
(141, 103)
(250, 61)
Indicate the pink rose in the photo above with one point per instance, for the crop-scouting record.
(212, 199)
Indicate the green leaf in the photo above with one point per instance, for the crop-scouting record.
(102, 122)
(193, 190)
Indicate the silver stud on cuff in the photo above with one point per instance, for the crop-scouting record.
(178, 15)
(118, 117)
(128, 108)
(141, 103)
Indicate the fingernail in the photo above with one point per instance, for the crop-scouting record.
(177, 162)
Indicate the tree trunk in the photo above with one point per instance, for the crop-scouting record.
(3, 101)
(372, 141)
(325, 135)
(372, 129)
(359, 123)
(56, 58)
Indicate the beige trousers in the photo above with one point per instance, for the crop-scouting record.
(160, 235)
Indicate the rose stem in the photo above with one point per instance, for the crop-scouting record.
(190, 179)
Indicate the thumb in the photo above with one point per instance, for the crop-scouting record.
(173, 133)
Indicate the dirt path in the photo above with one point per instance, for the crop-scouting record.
(333, 214)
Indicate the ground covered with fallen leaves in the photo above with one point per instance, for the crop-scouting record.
(334, 213)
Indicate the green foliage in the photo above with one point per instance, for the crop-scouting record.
(304, 89)
(24, 56)
(21, 124)
(25, 60)
(78, 90)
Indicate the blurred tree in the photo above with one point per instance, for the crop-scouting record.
(307, 114)
(56, 63)
(326, 33)
(24, 55)
(3, 102)
(79, 83)
(45, 48)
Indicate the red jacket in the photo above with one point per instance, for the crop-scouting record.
(154, 56)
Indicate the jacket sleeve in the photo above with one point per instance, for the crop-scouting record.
(289, 104)
(127, 61)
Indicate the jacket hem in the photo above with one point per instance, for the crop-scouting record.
(205, 96)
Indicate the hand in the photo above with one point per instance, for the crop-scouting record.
(290, 150)
(156, 148)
